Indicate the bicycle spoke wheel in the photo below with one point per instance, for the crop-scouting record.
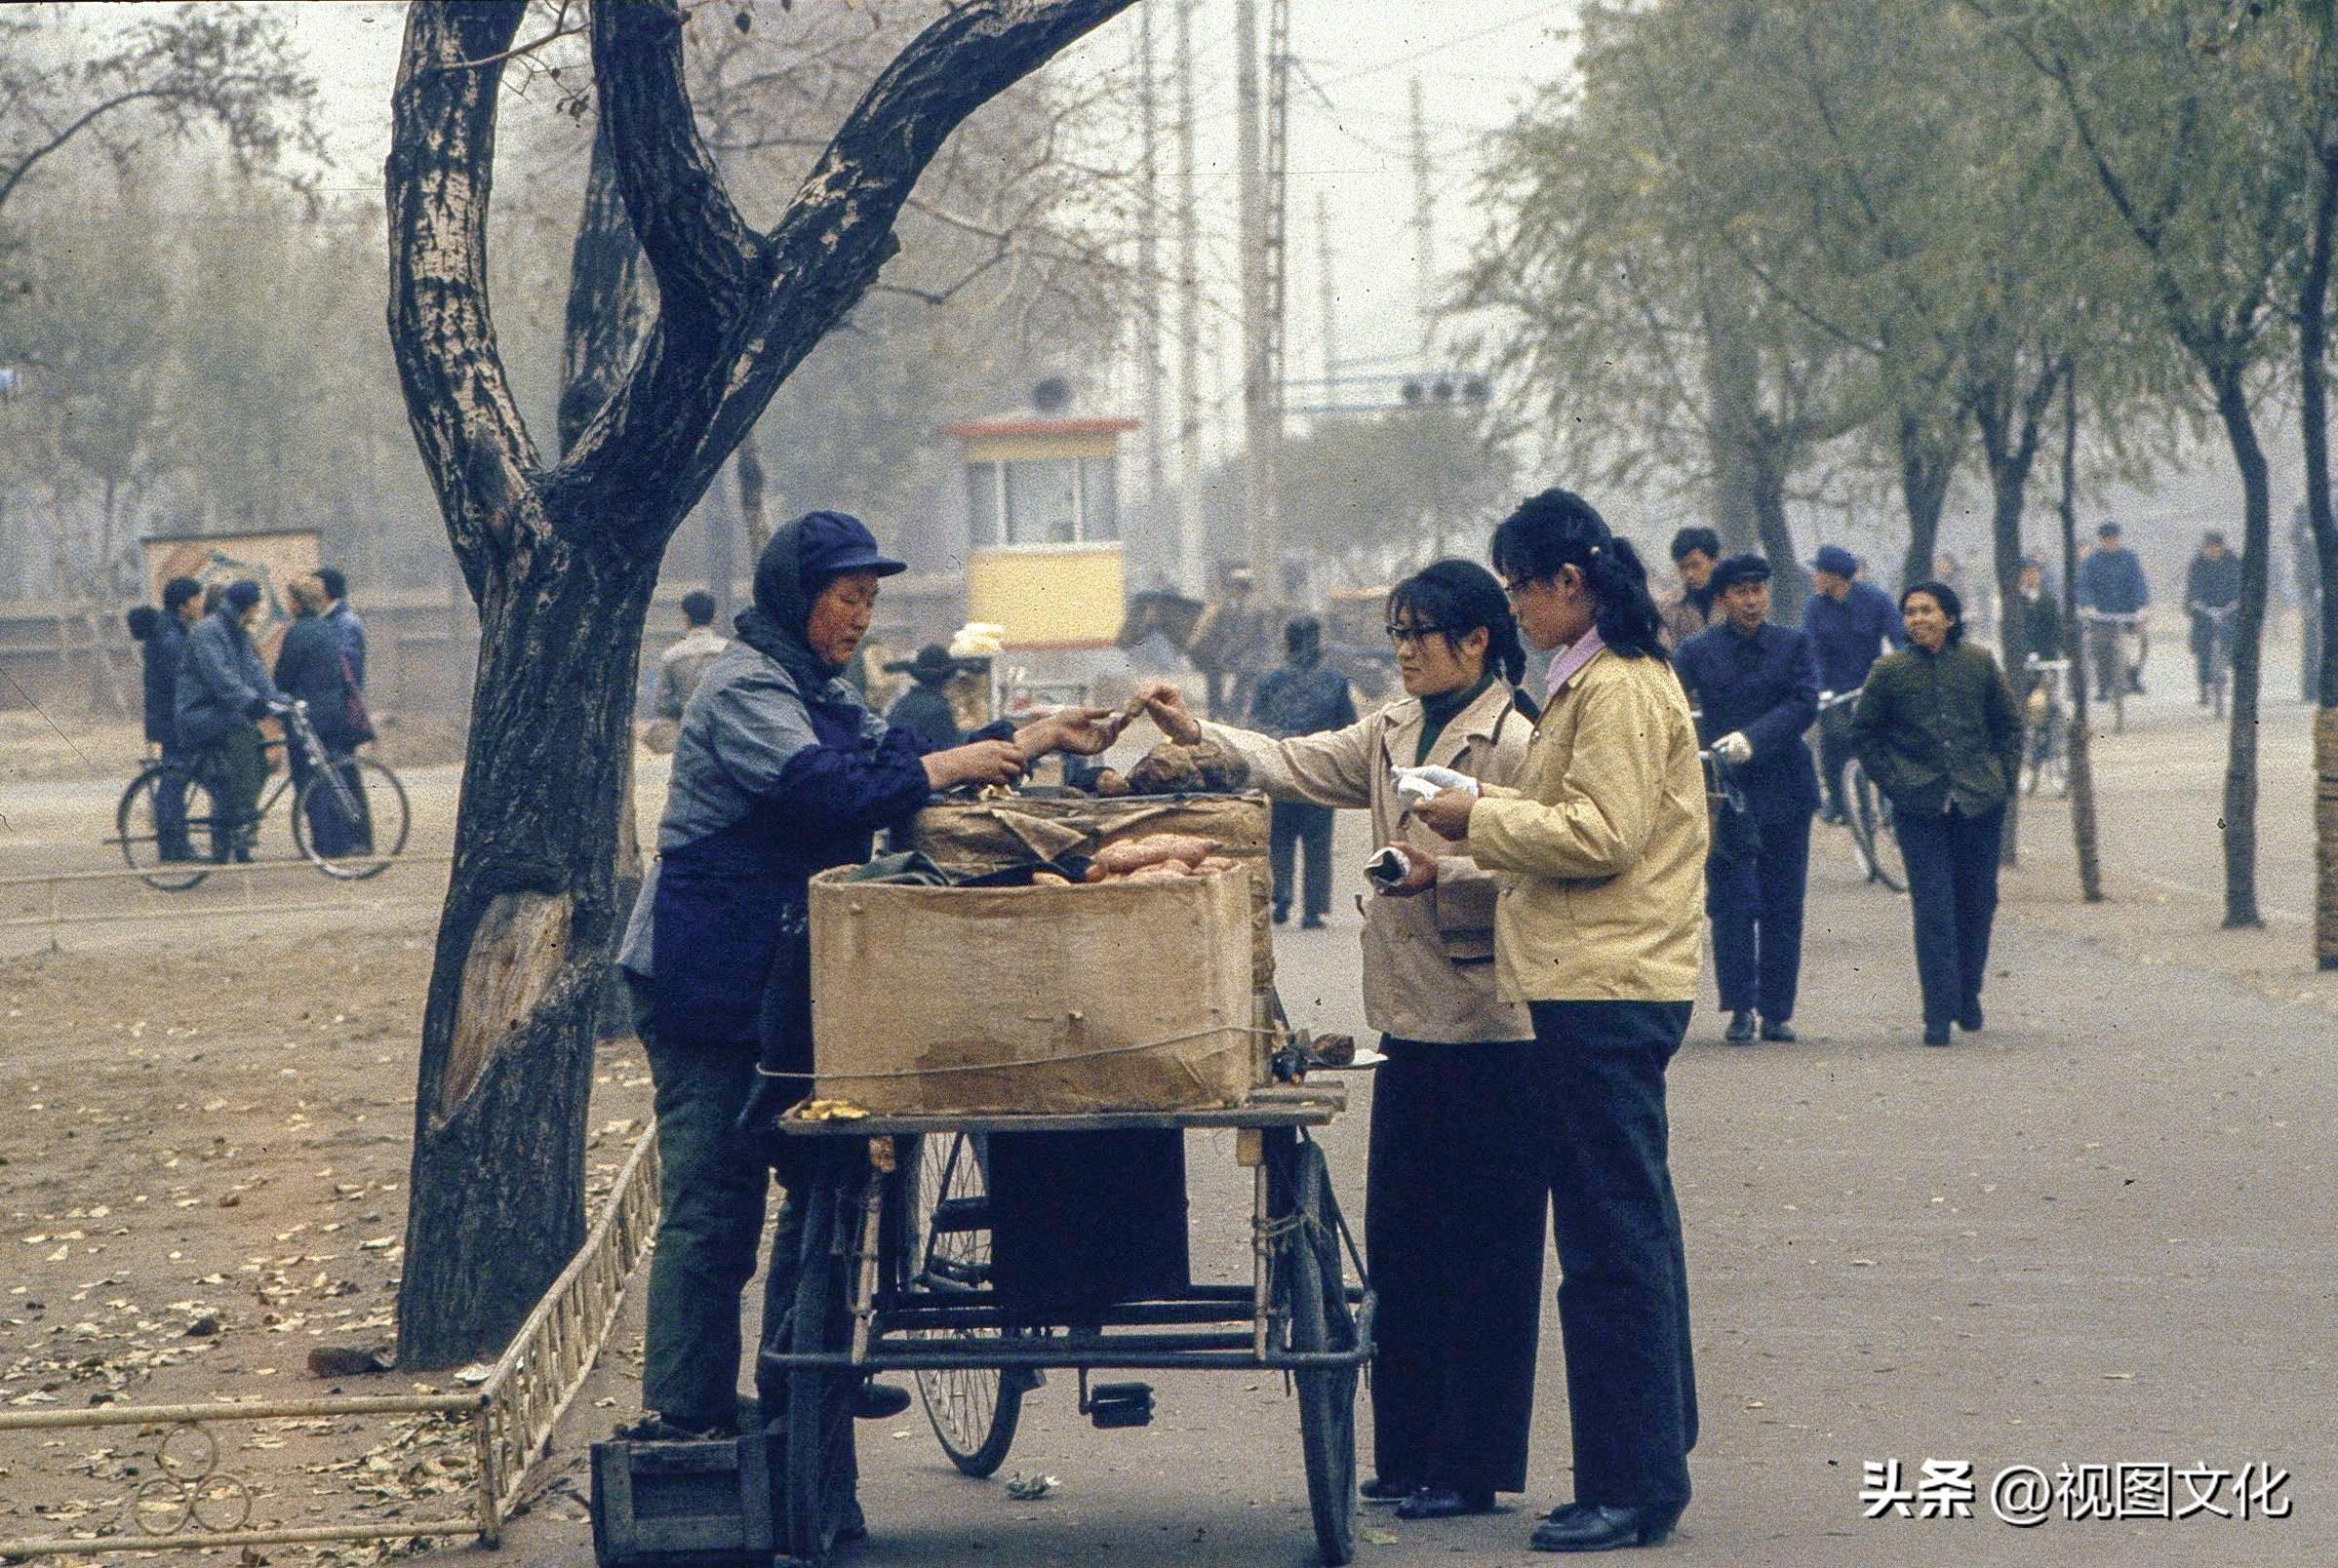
(351, 819)
(1858, 815)
(166, 825)
(1878, 852)
(973, 1410)
(1312, 1291)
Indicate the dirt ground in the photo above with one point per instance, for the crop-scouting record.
(2100, 1233)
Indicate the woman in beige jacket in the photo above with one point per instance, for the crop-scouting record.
(1454, 1198)
(1602, 848)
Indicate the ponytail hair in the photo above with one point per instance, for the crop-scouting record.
(1560, 528)
(1458, 596)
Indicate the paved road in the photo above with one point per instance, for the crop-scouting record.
(2100, 1234)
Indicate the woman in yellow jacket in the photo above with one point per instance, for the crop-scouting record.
(1602, 851)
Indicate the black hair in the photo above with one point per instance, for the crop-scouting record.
(1950, 605)
(1696, 538)
(1301, 634)
(1457, 597)
(140, 621)
(337, 586)
(179, 590)
(1560, 528)
(697, 608)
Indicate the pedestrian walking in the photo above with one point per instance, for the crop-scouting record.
(1227, 645)
(1850, 623)
(313, 668)
(685, 660)
(2111, 583)
(163, 650)
(1688, 609)
(1600, 847)
(925, 708)
(1756, 683)
(1304, 698)
(2212, 598)
(1455, 1198)
(1938, 731)
(221, 693)
(779, 771)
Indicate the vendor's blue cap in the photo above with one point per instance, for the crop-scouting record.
(1836, 558)
(830, 543)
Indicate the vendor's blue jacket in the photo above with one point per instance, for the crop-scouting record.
(1848, 635)
(1765, 686)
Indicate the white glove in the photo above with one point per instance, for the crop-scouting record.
(1734, 749)
(1419, 783)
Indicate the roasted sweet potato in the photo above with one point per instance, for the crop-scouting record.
(1135, 854)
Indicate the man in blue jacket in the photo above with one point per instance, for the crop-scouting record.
(1757, 685)
(2111, 583)
(1849, 623)
(164, 644)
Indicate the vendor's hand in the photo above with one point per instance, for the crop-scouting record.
(1734, 749)
(985, 761)
(1166, 702)
(1420, 872)
(1084, 731)
(1446, 813)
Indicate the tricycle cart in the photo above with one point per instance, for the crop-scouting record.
(897, 1208)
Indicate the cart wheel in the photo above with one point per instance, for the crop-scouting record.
(821, 1468)
(973, 1410)
(1315, 1293)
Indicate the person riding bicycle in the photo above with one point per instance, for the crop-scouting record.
(2211, 596)
(2111, 584)
(224, 691)
(1850, 624)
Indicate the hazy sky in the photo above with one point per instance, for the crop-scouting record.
(1350, 133)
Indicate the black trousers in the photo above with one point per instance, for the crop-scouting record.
(1835, 750)
(1623, 1288)
(1454, 1228)
(1291, 824)
(1952, 888)
(1756, 902)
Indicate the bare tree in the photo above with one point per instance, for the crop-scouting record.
(561, 558)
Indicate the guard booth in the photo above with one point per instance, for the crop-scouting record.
(1044, 559)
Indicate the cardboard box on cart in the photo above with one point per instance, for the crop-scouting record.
(1119, 996)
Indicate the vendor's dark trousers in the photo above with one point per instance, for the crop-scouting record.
(1290, 825)
(1835, 750)
(709, 1221)
(1623, 1288)
(1951, 886)
(1756, 902)
(1453, 1230)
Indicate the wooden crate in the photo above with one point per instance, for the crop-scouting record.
(683, 1504)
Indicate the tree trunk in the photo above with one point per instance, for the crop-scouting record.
(2011, 421)
(1789, 583)
(2082, 830)
(2248, 638)
(2313, 400)
(746, 464)
(1923, 490)
(1733, 387)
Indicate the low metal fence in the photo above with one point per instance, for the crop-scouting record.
(194, 903)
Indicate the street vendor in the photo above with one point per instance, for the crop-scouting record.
(1454, 1198)
(781, 771)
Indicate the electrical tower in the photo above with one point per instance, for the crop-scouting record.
(1424, 226)
(1148, 272)
(1190, 570)
(1326, 290)
(1261, 142)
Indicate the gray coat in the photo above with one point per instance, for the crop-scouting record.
(220, 680)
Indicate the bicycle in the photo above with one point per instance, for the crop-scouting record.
(356, 795)
(2218, 681)
(2043, 758)
(2116, 646)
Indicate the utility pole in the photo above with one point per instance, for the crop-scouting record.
(1148, 272)
(1424, 225)
(1327, 294)
(1260, 287)
(1190, 571)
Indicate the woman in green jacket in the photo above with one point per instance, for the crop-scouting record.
(1939, 732)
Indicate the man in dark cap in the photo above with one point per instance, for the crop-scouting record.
(1849, 623)
(1757, 685)
(1304, 698)
(925, 708)
(2212, 598)
(345, 625)
(2111, 583)
(222, 693)
(164, 647)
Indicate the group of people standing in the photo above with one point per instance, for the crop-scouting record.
(207, 690)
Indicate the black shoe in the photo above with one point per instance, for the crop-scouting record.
(879, 1401)
(854, 1526)
(1936, 1034)
(1834, 816)
(1775, 1028)
(1443, 1503)
(1377, 1490)
(1313, 923)
(1600, 1527)
(1741, 1028)
(1969, 1020)
(1282, 914)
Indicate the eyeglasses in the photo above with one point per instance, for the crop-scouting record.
(1401, 635)
(1518, 590)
